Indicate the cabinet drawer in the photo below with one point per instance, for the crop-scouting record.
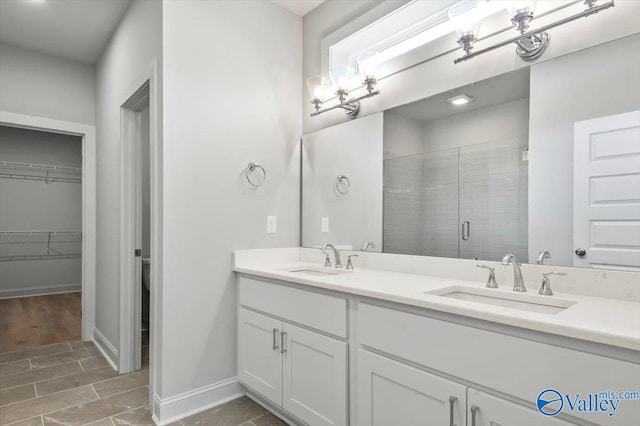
(315, 310)
(511, 365)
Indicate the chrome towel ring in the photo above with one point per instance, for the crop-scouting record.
(251, 170)
(343, 184)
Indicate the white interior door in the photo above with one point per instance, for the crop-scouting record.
(606, 197)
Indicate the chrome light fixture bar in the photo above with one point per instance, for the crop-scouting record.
(530, 44)
(343, 76)
(351, 106)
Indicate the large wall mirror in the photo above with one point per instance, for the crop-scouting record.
(545, 158)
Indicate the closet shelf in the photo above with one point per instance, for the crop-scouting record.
(40, 245)
(43, 172)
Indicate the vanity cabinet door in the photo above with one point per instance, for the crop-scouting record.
(314, 377)
(259, 357)
(393, 393)
(493, 411)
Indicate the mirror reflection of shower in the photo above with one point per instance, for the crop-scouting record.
(456, 175)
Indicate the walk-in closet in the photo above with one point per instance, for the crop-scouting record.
(40, 238)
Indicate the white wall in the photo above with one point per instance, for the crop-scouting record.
(493, 123)
(127, 58)
(353, 149)
(46, 86)
(232, 90)
(27, 205)
(402, 135)
(592, 83)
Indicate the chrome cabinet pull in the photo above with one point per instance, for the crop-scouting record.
(466, 230)
(452, 400)
(275, 343)
(282, 334)
(474, 410)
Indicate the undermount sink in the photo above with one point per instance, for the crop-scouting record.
(522, 301)
(318, 272)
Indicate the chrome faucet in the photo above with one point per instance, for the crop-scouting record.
(336, 254)
(542, 256)
(518, 282)
(367, 245)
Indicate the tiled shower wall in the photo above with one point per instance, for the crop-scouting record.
(427, 197)
(403, 205)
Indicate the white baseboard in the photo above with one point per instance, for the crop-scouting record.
(273, 409)
(39, 291)
(178, 407)
(109, 352)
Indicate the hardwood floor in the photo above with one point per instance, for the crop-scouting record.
(28, 322)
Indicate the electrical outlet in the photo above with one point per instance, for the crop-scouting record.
(325, 224)
(271, 224)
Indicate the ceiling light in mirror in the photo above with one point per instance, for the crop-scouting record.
(460, 100)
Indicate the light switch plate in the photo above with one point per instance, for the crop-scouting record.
(325, 224)
(271, 224)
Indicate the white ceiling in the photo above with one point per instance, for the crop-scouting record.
(72, 29)
(504, 88)
(299, 7)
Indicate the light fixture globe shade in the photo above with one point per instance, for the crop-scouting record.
(367, 63)
(343, 76)
(465, 16)
(319, 87)
(516, 7)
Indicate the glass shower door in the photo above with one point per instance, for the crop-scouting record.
(493, 194)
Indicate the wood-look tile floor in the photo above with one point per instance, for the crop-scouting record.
(28, 322)
(72, 384)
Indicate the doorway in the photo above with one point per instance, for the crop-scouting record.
(58, 263)
(136, 229)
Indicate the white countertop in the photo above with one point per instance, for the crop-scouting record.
(595, 319)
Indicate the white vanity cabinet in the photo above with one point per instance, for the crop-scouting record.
(259, 357)
(393, 393)
(301, 370)
(324, 358)
(488, 410)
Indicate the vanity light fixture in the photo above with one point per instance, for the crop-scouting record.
(344, 78)
(460, 100)
(530, 44)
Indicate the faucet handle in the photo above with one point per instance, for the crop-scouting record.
(349, 263)
(327, 259)
(545, 288)
(491, 281)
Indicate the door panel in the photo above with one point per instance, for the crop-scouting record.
(314, 377)
(606, 199)
(392, 393)
(494, 411)
(259, 360)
